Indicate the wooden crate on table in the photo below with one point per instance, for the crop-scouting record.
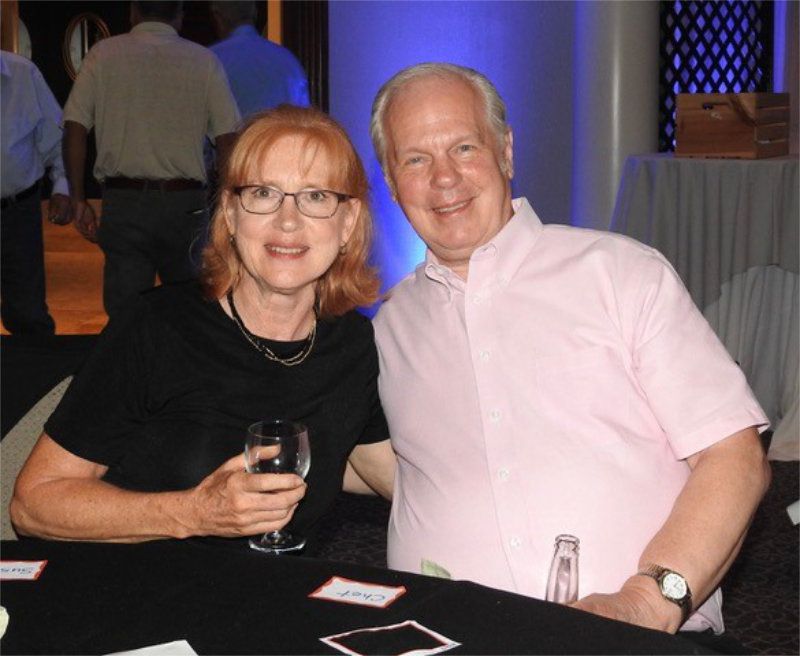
(735, 125)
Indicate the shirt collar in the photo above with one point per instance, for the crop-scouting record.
(504, 253)
(509, 247)
(442, 274)
(153, 27)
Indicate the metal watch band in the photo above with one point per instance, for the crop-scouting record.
(658, 573)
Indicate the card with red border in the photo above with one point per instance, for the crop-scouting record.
(403, 639)
(21, 570)
(347, 591)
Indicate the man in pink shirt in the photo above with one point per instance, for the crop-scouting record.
(543, 379)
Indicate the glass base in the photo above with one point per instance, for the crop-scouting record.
(278, 542)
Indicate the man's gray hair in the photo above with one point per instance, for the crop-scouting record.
(493, 103)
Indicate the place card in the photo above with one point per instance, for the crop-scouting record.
(408, 637)
(21, 570)
(358, 592)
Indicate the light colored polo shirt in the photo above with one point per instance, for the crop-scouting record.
(152, 98)
(557, 390)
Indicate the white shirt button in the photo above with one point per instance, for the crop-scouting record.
(503, 474)
(484, 356)
(495, 415)
(477, 299)
(515, 542)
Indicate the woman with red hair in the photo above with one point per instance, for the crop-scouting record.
(147, 442)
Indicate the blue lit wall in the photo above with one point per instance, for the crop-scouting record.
(525, 48)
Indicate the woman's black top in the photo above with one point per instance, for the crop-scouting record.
(170, 389)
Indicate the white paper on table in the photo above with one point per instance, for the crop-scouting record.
(174, 648)
(444, 643)
(3, 621)
(794, 512)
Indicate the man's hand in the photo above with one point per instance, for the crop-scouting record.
(638, 602)
(701, 536)
(229, 502)
(58, 209)
(84, 218)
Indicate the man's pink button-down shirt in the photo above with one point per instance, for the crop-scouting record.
(557, 390)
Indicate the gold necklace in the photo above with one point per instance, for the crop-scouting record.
(265, 350)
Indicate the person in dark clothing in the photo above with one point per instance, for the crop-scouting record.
(147, 441)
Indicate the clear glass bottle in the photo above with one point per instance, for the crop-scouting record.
(562, 584)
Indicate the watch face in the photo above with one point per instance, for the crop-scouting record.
(674, 586)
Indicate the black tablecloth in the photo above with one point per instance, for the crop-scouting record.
(96, 599)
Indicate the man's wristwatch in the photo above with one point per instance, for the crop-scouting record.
(673, 588)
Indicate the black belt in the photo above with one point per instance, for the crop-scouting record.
(143, 184)
(22, 195)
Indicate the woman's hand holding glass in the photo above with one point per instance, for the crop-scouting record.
(230, 502)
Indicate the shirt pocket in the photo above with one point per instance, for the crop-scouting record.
(583, 393)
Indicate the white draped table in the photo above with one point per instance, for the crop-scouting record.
(731, 229)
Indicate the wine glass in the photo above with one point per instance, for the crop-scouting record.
(277, 446)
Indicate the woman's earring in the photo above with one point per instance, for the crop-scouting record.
(232, 240)
(343, 249)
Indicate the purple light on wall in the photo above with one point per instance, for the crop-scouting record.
(523, 47)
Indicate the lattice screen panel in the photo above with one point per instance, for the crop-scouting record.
(712, 47)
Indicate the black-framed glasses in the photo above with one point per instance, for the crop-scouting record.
(314, 203)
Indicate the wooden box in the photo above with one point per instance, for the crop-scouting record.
(737, 125)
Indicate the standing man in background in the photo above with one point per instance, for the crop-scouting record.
(262, 74)
(152, 98)
(30, 143)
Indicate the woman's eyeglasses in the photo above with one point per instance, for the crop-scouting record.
(314, 203)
